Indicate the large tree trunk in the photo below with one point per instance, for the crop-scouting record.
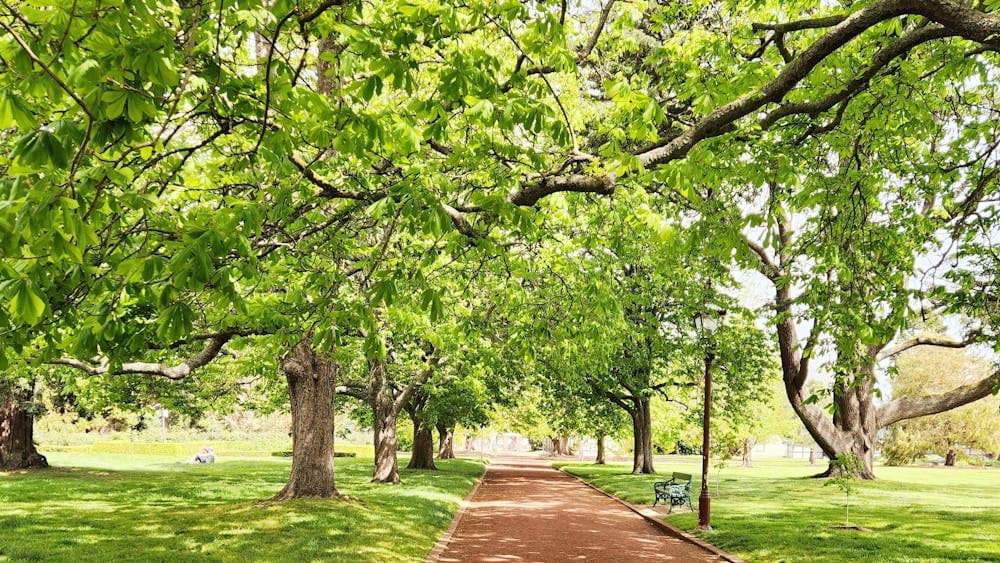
(384, 425)
(17, 428)
(560, 445)
(600, 450)
(386, 464)
(642, 433)
(423, 446)
(310, 387)
(386, 405)
(858, 421)
(446, 441)
(949, 458)
(855, 418)
(422, 456)
(855, 428)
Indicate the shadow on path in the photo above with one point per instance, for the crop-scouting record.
(525, 510)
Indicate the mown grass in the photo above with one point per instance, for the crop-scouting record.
(776, 512)
(116, 507)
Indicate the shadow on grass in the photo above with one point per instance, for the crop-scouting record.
(211, 512)
(778, 512)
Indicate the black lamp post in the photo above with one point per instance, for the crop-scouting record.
(706, 323)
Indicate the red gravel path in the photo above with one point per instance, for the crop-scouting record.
(525, 510)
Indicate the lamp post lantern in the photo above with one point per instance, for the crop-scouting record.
(706, 323)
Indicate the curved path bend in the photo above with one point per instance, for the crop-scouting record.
(525, 510)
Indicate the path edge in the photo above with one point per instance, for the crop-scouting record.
(652, 517)
(445, 539)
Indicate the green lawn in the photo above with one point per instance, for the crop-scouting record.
(775, 512)
(113, 507)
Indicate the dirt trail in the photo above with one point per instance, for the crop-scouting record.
(525, 510)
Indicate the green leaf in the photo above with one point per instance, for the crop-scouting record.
(26, 304)
(86, 73)
(55, 150)
(175, 322)
(13, 111)
(135, 109)
(371, 87)
(437, 308)
(114, 103)
(38, 149)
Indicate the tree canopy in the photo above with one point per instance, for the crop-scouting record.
(177, 175)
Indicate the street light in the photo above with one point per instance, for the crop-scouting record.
(706, 323)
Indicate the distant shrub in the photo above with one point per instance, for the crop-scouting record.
(288, 453)
(169, 449)
(243, 448)
(898, 454)
(983, 462)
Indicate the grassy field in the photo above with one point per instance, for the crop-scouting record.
(118, 507)
(775, 512)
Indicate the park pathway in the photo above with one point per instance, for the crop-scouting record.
(525, 510)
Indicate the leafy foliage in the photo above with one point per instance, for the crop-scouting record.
(345, 170)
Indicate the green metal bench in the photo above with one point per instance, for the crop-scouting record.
(676, 491)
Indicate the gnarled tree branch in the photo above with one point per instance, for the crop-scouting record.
(933, 340)
(913, 407)
(881, 59)
(213, 346)
(529, 195)
(601, 22)
(955, 20)
(404, 397)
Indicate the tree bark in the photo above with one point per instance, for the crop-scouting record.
(747, 453)
(855, 427)
(422, 456)
(386, 404)
(905, 408)
(311, 388)
(423, 446)
(17, 428)
(600, 450)
(855, 417)
(384, 425)
(446, 441)
(642, 433)
(560, 445)
(949, 458)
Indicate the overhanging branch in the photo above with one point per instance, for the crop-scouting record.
(881, 59)
(432, 363)
(529, 195)
(954, 19)
(213, 346)
(913, 407)
(933, 340)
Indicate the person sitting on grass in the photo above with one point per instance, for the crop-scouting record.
(207, 455)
